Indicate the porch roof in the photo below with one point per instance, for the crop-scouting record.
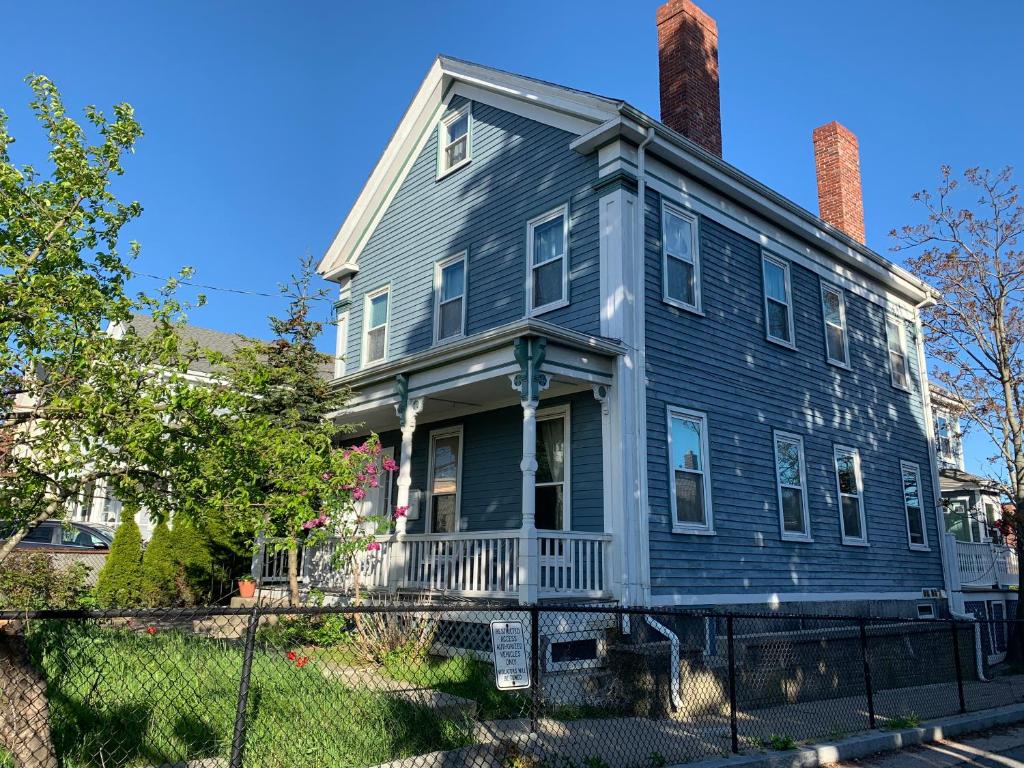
(472, 374)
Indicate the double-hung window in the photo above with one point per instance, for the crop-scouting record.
(833, 309)
(899, 367)
(778, 301)
(851, 495)
(547, 252)
(689, 475)
(450, 301)
(445, 480)
(454, 138)
(375, 339)
(791, 474)
(913, 502)
(552, 486)
(680, 259)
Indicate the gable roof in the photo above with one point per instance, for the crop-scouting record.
(596, 120)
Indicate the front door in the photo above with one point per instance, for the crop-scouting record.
(552, 489)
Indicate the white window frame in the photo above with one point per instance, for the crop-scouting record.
(708, 528)
(442, 140)
(790, 437)
(784, 265)
(367, 299)
(909, 466)
(439, 268)
(895, 324)
(341, 343)
(429, 495)
(862, 540)
(569, 666)
(562, 412)
(666, 210)
(827, 288)
(531, 225)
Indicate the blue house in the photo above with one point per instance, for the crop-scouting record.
(613, 367)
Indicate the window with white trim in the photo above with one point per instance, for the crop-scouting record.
(444, 489)
(450, 298)
(680, 259)
(899, 366)
(948, 440)
(376, 310)
(689, 475)
(850, 488)
(791, 475)
(341, 345)
(778, 301)
(913, 502)
(454, 138)
(547, 251)
(552, 480)
(833, 310)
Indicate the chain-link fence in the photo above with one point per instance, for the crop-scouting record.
(451, 685)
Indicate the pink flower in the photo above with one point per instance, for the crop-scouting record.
(302, 661)
(372, 469)
(358, 493)
(373, 546)
(376, 448)
(150, 630)
(401, 512)
(359, 449)
(390, 465)
(326, 476)
(291, 655)
(373, 482)
(360, 478)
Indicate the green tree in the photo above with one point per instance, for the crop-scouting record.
(159, 569)
(193, 562)
(120, 583)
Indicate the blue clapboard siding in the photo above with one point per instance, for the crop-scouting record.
(491, 479)
(721, 364)
(520, 169)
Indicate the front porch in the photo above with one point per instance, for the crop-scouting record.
(503, 443)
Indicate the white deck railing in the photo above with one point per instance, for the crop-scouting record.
(986, 564)
(478, 564)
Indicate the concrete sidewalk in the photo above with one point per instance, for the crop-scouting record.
(998, 748)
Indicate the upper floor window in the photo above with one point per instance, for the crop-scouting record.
(375, 338)
(689, 478)
(454, 140)
(947, 437)
(547, 245)
(450, 301)
(913, 502)
(833, 309)
(851, 495)
(791, 475)
(680, 259)
(778, 301)
(899, 368)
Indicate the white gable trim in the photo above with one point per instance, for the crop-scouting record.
(563, 108)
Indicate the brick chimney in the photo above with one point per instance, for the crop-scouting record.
(688, 65)
(837, 164)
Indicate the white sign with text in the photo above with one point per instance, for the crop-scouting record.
(511, 660)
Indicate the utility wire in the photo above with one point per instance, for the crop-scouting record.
(241, 291)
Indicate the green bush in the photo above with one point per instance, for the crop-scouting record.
(30, 581)
(159, 570)
(120, 583)
(193, 562)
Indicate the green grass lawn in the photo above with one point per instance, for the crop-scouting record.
(122, 698)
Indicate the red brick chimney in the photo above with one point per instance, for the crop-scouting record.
(837, 164)
(688, 65)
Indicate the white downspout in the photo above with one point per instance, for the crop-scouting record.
(677, 700)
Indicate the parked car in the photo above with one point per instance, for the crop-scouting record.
(54, 533)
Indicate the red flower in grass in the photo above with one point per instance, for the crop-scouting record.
(291, 656)
(302, 661)
(150, 630)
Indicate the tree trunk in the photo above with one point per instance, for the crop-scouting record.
(24, 708)
(1015, 640)
(293, 577)
(8, 546)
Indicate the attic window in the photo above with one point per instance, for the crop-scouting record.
(454, 140)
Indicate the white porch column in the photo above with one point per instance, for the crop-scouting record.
(406, 410)
(530, 352)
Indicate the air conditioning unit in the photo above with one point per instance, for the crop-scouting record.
(933, 594)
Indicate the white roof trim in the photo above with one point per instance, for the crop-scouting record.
(562, 107)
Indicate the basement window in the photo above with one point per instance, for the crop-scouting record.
(577, 651)
(925, 611)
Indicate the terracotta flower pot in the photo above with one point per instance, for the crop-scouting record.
(246, 588)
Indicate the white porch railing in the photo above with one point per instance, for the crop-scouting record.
(479, 564)
(986, 564)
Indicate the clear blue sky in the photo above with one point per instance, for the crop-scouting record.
(264, 119)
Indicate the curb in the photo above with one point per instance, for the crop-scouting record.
(871, 743)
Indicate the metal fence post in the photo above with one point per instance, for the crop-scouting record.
(869, 691)
(733, 729)
(238, 740)
(959, 669)
(534, 667)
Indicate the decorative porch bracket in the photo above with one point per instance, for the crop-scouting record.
(406, 409)
(530, 352)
